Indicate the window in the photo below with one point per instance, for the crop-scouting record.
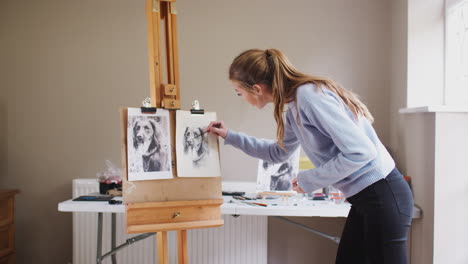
(456, 58)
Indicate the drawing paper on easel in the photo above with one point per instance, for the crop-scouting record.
(197, 152)
(278, 176)
(148, 145)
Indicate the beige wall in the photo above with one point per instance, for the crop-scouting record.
(398, 80)
(419, 142)
(3, 137)
(290, 244)
(3, 94)
(68, 66)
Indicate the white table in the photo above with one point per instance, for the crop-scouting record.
(295, 206)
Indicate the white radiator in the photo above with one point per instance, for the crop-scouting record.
(240, 240)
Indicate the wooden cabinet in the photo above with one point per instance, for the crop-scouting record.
(7, 226)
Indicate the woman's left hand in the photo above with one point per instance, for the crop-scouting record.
(296, 186)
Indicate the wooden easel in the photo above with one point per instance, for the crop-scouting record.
(163, 95)
(176, 204)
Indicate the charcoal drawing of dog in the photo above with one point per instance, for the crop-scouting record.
(195, 144)
(281, 180)
(147, 137)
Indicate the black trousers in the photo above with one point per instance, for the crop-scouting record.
(378, 223)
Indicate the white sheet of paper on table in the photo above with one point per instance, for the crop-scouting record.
(278, 176)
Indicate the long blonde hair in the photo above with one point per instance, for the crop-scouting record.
(272, 68)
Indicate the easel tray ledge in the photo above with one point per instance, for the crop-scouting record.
(174, 226)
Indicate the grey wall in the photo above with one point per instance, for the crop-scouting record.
(67, 66)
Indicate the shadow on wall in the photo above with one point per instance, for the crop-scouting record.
(3, 139)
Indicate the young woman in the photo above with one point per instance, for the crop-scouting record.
(334, 129)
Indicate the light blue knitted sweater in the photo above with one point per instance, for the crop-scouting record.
(346, 152)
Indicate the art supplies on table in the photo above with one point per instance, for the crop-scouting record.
(94, 198)
(243, 198)
(225, 193)
(110, 179)
(319, 197)
(259, 204)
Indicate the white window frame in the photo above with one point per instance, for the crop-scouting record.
(456, 56)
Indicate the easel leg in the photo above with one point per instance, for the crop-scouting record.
(99, 239)
(113, 240)
(182, 246)
(162, 247)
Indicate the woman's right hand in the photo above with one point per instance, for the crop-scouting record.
(217, 128)
(296, 186)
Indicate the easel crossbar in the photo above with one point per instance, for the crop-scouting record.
(174, 226)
